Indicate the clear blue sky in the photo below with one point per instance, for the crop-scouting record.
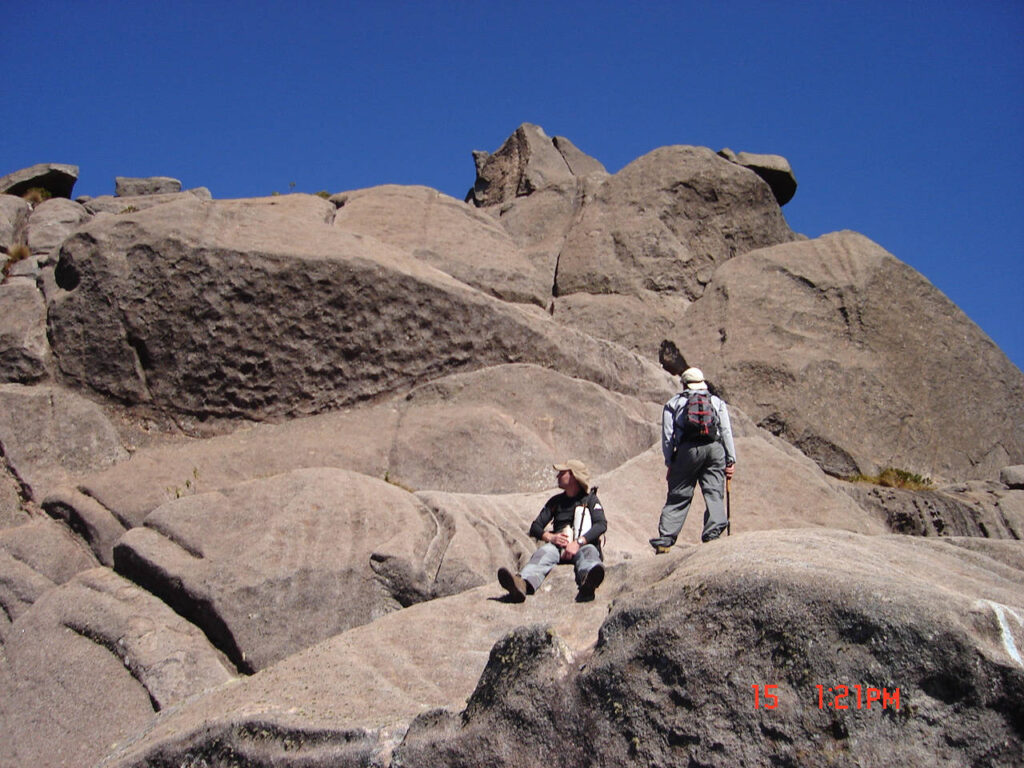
(902, 120)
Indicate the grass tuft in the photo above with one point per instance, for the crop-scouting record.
(891, 477)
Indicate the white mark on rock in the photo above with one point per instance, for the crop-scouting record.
(1004, 627)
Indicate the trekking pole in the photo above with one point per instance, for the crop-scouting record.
(728, 506)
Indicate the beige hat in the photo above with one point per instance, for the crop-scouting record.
(579, 471)
(693, 378)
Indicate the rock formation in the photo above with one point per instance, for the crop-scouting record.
(260, 460)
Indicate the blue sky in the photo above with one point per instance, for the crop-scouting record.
(902, 120)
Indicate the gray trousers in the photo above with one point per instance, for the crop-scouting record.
(692, 464)
(548, 556)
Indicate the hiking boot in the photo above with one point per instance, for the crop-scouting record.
(513, 583)
(660, 549)
(710, 537)
(590, 582)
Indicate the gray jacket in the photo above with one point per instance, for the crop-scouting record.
(668, 427)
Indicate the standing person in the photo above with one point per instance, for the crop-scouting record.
(696, 440)
(578, 523)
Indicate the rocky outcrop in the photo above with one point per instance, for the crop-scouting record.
(1013, 477)
(971, 509)
(262, 309)
(300, 435)
(130, 186)
(774, 169)
(855, 358)
(55, 178)
(529, 161)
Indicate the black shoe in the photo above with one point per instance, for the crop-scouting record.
(710, 537)
(590, 582)
(514, 584)
(660, 549)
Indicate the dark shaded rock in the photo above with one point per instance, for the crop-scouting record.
(985, 511)
(658, 691)
(671, 358)
(56, 178)
(774, 169)
(127, 186)
(847, 353)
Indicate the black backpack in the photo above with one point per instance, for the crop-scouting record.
(696, 421)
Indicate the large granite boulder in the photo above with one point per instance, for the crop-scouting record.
(24, 350)
(447, 234)
(56, 178)
(856, 359)
(263, 309)
(89, 664)
(665, 222)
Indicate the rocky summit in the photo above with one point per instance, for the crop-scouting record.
(261, 459)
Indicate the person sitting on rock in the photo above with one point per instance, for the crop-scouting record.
(577, 525)
(696, 440)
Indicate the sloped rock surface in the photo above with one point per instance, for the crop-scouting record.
(270, 567)
(89, 664)
(222, 308)
(848, 354)
(448, 234)
(765, 609)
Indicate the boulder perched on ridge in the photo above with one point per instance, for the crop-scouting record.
(56, 178)
(774, 169)
(128, 186)
(51, 222)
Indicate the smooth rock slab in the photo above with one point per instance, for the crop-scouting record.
(273, 566)
(89, 664)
